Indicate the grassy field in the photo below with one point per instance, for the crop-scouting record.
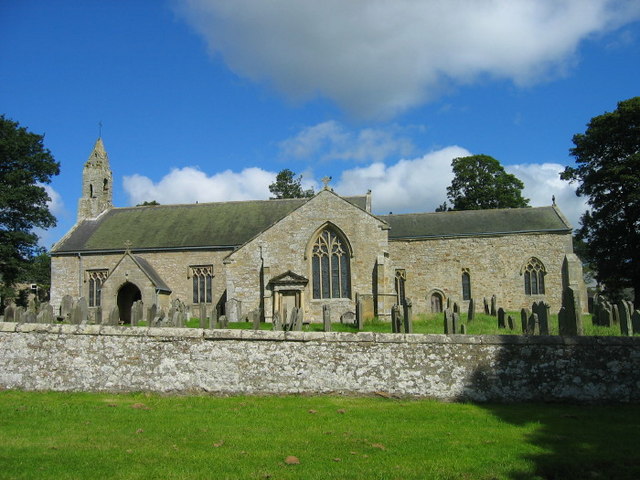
(144, 436)
(434, 323)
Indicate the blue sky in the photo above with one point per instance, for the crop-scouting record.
(206, 100)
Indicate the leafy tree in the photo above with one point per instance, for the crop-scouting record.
(480, 182)
(25, 164)
(152, 203)
(442, 207)
(608, 170)
(287, 186)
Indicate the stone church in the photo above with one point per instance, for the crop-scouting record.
(272, 255)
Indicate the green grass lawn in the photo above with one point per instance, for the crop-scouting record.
(434, 323)
(144, 436)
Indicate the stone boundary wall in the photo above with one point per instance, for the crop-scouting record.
(448, 367)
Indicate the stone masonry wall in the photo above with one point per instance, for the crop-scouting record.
(456, 367)
(495, 265)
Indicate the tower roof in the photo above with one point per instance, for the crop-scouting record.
(98, 156)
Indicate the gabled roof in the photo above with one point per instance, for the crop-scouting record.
(150, 272)
(203, 225)
(476, 223)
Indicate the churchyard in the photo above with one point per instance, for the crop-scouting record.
(125, 436)
(607, 319)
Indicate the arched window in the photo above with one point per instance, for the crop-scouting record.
(202, 279)
(466, 284)
(105, 185)
(534, 273)
(331, 272)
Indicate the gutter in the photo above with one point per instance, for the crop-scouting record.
(480, 234)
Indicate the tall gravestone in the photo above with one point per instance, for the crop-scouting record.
(510, 322)
(524, 321)
(471, 312)
(408, 315)
(494, 303)
(455, 322)
(396, 320)
(570, 322)
(277, 324)
(202, 315)
(10, 313)
(114, 316)
(448, 322)
(326, 317)
(359, 313)
(487, 311)
(501, 318)
(66, 305)
(616, 314)
(626, 327)
(45, 315)
(152, 311)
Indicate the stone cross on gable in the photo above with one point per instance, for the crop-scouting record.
(127, 245)
(325, 182)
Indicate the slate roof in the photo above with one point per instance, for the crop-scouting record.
(476, 223)
(224, 224)
(150, 272)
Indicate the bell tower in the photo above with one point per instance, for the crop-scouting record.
(97, 191)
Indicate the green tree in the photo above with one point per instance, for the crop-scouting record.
(152, 203)
(287, 186)
(608, 171)
(480, 182)
(25, 164)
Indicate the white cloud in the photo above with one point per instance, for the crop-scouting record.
(332, 141)
(542, 181)
(380, 57)
(190, 185)
(410, 185)
(55, 203)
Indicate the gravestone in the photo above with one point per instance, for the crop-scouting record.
(255, 319)
(32, 306)
(543, 310)
(486, 306)
(223, 322)
(359, 313)
(277, 324)
(448, 322)
(396, 320)
(616, 314)
(626, 327)
(510, 322)
(494, 302)
(76, 314)
(19, 315)
(533, 327)
(114, 316)
(635, 322)
(10, 313)
(348, 318)
(455, 322)
(97, 315)
(298, 320)
(326, 317)
(202, 316)
(136, 313)
(152, 311)
(456, 307)
(46, 313)
(408, 315)
(524, 321)
(177, 320)
(30, 316)
(463, 329)
(471, 312)
(570, 322)
(213, 319)
(501, 318)
(84, 310)
(65, 307)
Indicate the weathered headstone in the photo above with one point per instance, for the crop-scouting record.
(456, 307)
(136, 312)
(277, 324)
(10, 313)
(626, 327)
(177, 320)
(151, 313)
(455, 322)
(19, 315)
(326, 317)
(408, 315)
(463, 329)
(255, 319)
(510, 322)
(570, 322)
(533, 327)
(30, 316)
(299, 319)
(616, 314)
(524, 321)
(32, 305)
(543, 310)
(45, 315)
(212, 319)
(487, 311)
(348, 318)
(494, 303)
(114, 316)
(501, 318)
(97, 315)
(203, 315)
(448, 322)
(396, 320)
(471, 312)
(223, 321)
(76, 315)
(65, 307)
(359, 313)
(635, 322)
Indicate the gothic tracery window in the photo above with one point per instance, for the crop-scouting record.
(202, 283)
(330, 267)
(534, 273)
(95, 279)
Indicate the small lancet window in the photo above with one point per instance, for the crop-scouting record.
(95, 279)
(91, 190)
(330, 267)
(105, 185)
(534, 273)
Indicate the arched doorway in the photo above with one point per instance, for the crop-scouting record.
(436, 302)
(127, 294)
